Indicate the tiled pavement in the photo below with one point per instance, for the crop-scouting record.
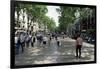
(54, 54)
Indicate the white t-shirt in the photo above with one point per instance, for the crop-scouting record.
(30, 36)
(16, 39)
(45, 39)
(58, 39)
(32, 39)
(22, 38)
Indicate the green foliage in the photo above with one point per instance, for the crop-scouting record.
(36, 13)
(49, 22)
(67, 16)
(90, 31)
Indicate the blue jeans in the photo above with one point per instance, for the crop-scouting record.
(17, 49)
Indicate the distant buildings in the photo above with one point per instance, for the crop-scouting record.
(23, 23)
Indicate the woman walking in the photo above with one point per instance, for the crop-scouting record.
(79, 42)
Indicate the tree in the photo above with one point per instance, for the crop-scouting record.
(36, 13)
(67, 16)
(23, 8)
(18, 9)
(48, 23)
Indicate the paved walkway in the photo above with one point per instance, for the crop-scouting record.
(54, 54)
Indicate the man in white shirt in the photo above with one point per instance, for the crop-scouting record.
(16, 39)
(45, 40)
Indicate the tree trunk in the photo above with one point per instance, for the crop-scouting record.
(18, 19)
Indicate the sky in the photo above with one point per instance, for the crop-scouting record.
(52, 13)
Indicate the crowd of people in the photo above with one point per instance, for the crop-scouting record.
(22, 40)
(25, 39)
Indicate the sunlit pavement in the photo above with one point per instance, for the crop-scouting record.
(54, 54)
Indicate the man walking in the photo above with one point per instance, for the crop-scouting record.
(79, 42)
(33, 39)
(22, 40)
(28, 38)
(45, 40)
(49, 39)
(17, 43)
(58, 42)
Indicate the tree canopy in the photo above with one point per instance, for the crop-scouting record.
(68, 17)
(35, 13)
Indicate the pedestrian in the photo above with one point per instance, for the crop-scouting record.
(49, 41)
(56, 36)
(53, 35)
(22, 41)
(79, 42)
(44, 40)
(17, 43)
(33, 41)
(25, 37)
(58, 42)
(62, 33)
(28, 39)
(40, 39)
